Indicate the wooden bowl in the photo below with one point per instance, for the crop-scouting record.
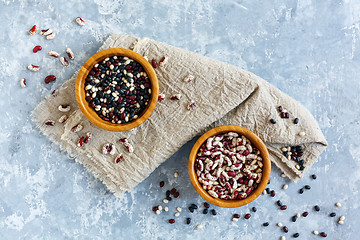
(90, 113)
(256, 141)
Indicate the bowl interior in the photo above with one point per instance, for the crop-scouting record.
(256, 141)
(90, 113)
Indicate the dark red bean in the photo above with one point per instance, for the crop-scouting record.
(172, 191)
(323, 234)
(162, 183)
(247, 216)
(283, 207)
(236, 215)
(154, 64)
(206, 205)
(285, 229)
(171, 221)
(280, 108)
(155, 209)
(176, 195)
(272, 193)
(305, 214)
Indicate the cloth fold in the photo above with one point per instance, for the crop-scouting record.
(224, 94)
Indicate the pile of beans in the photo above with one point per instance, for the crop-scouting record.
(228, 166)
(118, 89)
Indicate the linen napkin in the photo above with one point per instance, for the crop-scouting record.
(223, 94)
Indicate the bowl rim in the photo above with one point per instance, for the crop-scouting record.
(255, 140)
(90, 114)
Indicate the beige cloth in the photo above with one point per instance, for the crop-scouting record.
(224, 94)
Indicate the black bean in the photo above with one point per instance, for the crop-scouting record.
(301, 190)
(194, 206)
(206, 205)
(332, 214)
(168, 193)
(191, 209)
(213, 212)
(285, 154)
(278, 202)
(301, 168)
(293, 218)
(188, 220)
(267, 190)
(272, 121)
(168, 198)
(301, 162)
(296, 121)
(307, 187)
(205, 211)
(254, 209)
(316, 208)
(265, 224)
(296, 235)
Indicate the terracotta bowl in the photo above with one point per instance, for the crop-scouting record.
(257, 142)
(90, 113)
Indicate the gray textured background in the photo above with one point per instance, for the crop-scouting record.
(308, 49)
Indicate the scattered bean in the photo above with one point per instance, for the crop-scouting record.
(33, 30)
(64, 61)
(50, 36)
(175, 97)
(33, 68)
(63, 118)
(80, 21)
(46, 32)
(163, 61)
(316, 208)
(77, 128)
(53, 54)
(23, 82)
(70, 53)
(37, 48)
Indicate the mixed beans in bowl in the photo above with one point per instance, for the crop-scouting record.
(117, 89)
(229, 166)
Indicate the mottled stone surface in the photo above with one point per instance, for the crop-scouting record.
(308, 49)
